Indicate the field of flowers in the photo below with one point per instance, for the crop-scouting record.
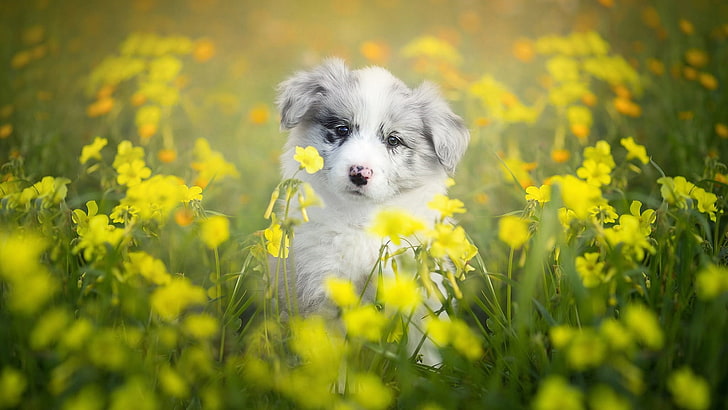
(588, 268)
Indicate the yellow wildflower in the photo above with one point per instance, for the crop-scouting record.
(560, 156)
(395, 224)
(722, 130)
(172, 383)
(634, 150)
(590, 269)
(132, 173)
(586, 350)
(555, 393)
(457, 334)
(689, 390)
(630, 234)
(452, 242)
(342, 292)
(540, 194)
(370, 393)
(93, 150)
(49, 328)
(594, 173)
(446, 206)
(604, 398)
(513, 231)
(696, 57)
(618, 336)
(365, 322)
(561, 335)
(193, 193)
(12, 386)
(578, 196)
(644, 325)
(97, 236)
(711, 282)
(401, 293)
(201, 326)
(708, 81)
(309, 159)
(646, 218)
(601, 153)
(135, 393)
(430, 47)
(277, 242)
(149, 267)
(126, 152)
(170, 300)
(214, 231)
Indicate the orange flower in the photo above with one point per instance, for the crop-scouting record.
(607, 3)
(560, 155)
(690, 73)
(184, 217)
(105, 92)
(138, 99)
(589, 99)
(376, 52)
(482, 122)
(696, 57)
(100, 107)
(6, 130)
(147, 131)
(722, 130)
(622, 91)
(204, 50)
(686, 26)
(708, 81)
(524, 50)
(259, 114)
(167, 155)
(656, 66)
(627, 107)
(580, 130)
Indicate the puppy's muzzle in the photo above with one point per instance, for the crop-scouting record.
(360, 175)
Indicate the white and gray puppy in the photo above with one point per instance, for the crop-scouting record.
(384, 145)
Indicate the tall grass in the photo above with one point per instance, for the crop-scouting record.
(139, 149)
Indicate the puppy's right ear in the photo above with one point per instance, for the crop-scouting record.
(304, 90)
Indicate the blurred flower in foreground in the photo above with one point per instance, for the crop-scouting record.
(513, 231)
(400, 292)
(12, 386)
(171, 300)
(689, 390)
(214, 231)
(711, 282)
(555, 393)
(395, 224)
(30, 284)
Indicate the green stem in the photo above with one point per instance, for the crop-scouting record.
(509, 288)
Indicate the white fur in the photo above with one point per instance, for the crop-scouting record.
(375, 105)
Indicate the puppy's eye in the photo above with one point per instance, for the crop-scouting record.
(342, 131)
(394, 141)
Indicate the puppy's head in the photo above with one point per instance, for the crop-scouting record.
(378, 137)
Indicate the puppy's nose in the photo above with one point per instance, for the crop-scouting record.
(359, 175)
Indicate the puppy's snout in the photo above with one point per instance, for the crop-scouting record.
(360, 175)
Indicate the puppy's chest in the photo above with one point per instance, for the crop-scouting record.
(323, 250)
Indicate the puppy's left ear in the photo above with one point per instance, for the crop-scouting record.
(450, 136)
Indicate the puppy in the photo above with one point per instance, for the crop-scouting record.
(384, 145)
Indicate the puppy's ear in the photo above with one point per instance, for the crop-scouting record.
(449, 134)
(302, 91)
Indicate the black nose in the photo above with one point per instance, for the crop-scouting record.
(359, 175)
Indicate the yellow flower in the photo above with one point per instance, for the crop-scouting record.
(369, 392)
(193, 193)
(513, 231)
(722, 130)
(464, 340)
(446, 206)
(630, 234)
(634, 150)
(342, 292)
(170, 300)
(395, 224)
(601, 153)
(708, 81)
(540, 194)
(173, 383)
(214, 231)
(430, 47)
(689, 390)
(309, 159)
(618, 336)
(451, 241)
(97, 236)
(31, 285)
(644, 325)
(152, 269)
(365, 322)
(594, 173)
(711, 282)
(555, 393)
(590, 269)
(49, 328)
(561, 335)
(401, 293)
(132, 173)
(578, 196)
(12, 386)
(126, 152)
(276, 244)
(604, 398)
(136, 393)
(586, 350)
(646, 218)
(201, 326)
(696, 57)
(93, 150)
